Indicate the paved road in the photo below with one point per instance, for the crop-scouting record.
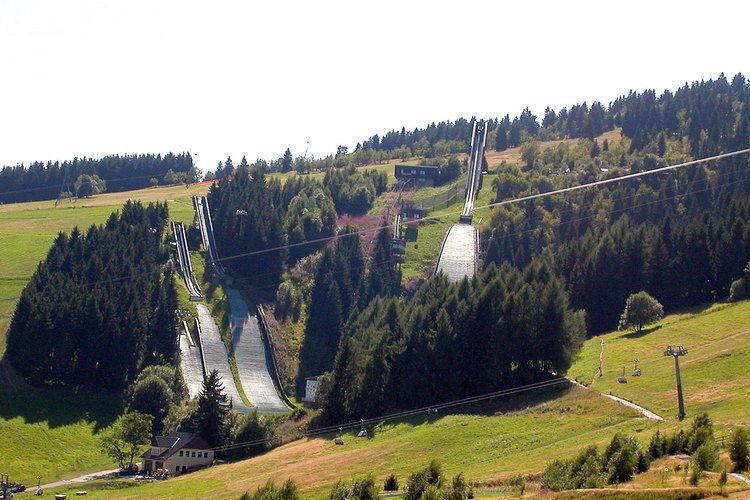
(215, 355)
(251, 356)
(75, 480)
(458, 254)
(640, 409)
(190, 363)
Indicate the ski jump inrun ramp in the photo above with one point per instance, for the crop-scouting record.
(458, 254)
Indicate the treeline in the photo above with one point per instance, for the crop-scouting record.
(712, 114)
(44, 181)
(683, 237)
(100, 306)
(503, 328)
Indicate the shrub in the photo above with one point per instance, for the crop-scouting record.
(695, 475)
(518, 483)
(391, 483)
(430, 475)
(270, 491)
(706, 456)
(738, 450)
(459, 489)
(365, 489)
(702, 431)
(252, 427)
(340, 491)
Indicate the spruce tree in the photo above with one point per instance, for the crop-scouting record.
(213, 407)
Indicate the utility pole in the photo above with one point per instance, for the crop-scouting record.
(676, 352)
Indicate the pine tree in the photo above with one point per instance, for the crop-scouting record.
(286, 161)
(213, 406)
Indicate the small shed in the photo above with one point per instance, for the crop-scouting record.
(311, 389)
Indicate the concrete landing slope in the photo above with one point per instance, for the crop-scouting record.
(191, 366)
(216, 357)
(252, 357)
(458, 254)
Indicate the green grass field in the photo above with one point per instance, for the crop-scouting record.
(487, 444)
(53, 433)
(714, 372)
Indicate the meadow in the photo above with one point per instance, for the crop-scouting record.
(714, 371)
(487, 443)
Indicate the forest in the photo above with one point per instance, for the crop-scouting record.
(46, 181)
(100, 306)
(256, 215)
(682, 236)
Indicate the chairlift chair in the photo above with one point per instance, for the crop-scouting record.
(621, 379)
(362, 432)
(636, 370)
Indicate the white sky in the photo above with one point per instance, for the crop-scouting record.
(92, 77)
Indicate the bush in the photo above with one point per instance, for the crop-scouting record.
(702, 431)
(738, 450)
(340, 491)
(695, 475)
(270, 491)
(362, 489)
(252, 427)
(365, 489)
(706, 456)
(391, 483)
(418, 482)
(518, 483)
(740, 289)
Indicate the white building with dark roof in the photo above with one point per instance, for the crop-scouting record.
(177, 452)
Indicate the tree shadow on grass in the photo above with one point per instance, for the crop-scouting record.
(642, 333)
(58, 406)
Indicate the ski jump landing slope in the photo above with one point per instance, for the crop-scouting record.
(457, 257)
(252, 357)
(215, 356)
(190, 363)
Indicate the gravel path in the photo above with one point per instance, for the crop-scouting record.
(252, 358)
(216, 357)
(457, 256)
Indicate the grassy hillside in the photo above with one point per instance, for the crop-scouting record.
(485, 443)
(714, 372)
(53, 433)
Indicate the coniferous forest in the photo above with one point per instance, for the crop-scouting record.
(555, 270)
(45, 181)
(100, 307)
